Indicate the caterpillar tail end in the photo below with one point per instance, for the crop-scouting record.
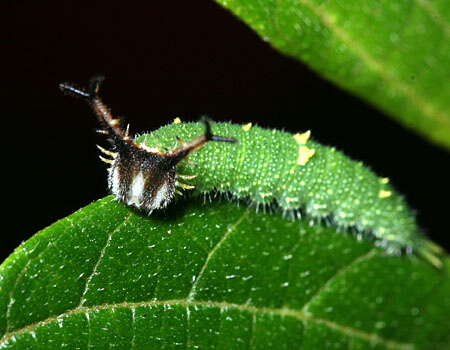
(431, 253)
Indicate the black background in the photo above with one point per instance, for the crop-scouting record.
(164, 60)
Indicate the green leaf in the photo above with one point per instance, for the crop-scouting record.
(395, 54)
(214, 275)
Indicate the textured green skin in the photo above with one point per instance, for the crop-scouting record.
(263, 167)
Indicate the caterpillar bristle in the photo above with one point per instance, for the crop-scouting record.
(430, 252)
(186, 177)
(428, 255)
(433, 247)
(183, 185)
(180, 141)
(105, 151)
(73, 90)
(106, 160)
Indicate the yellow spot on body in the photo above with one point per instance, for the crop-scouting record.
(247, 127)
(384, 180)
(384, 194)
(177, 121)
(304, 154)
(302, 138)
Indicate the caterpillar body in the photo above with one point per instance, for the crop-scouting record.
(267, 167)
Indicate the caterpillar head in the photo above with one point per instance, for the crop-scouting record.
(138, 175)
(141, 178)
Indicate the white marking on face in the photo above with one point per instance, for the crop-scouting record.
(114, 180)
(161, 196)
(136, 191)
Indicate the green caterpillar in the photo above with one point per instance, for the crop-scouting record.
(299, 175)
(268, 167)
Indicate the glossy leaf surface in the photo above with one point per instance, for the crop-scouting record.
(214, 276)
(395, 54)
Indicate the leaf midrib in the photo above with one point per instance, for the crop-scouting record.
(284, 312)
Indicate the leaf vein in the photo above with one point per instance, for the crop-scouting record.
(232, 228)
(253, 330)
(25, 267)
(133, 325)
(373, 338)
(340, 272)
(102, 253)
